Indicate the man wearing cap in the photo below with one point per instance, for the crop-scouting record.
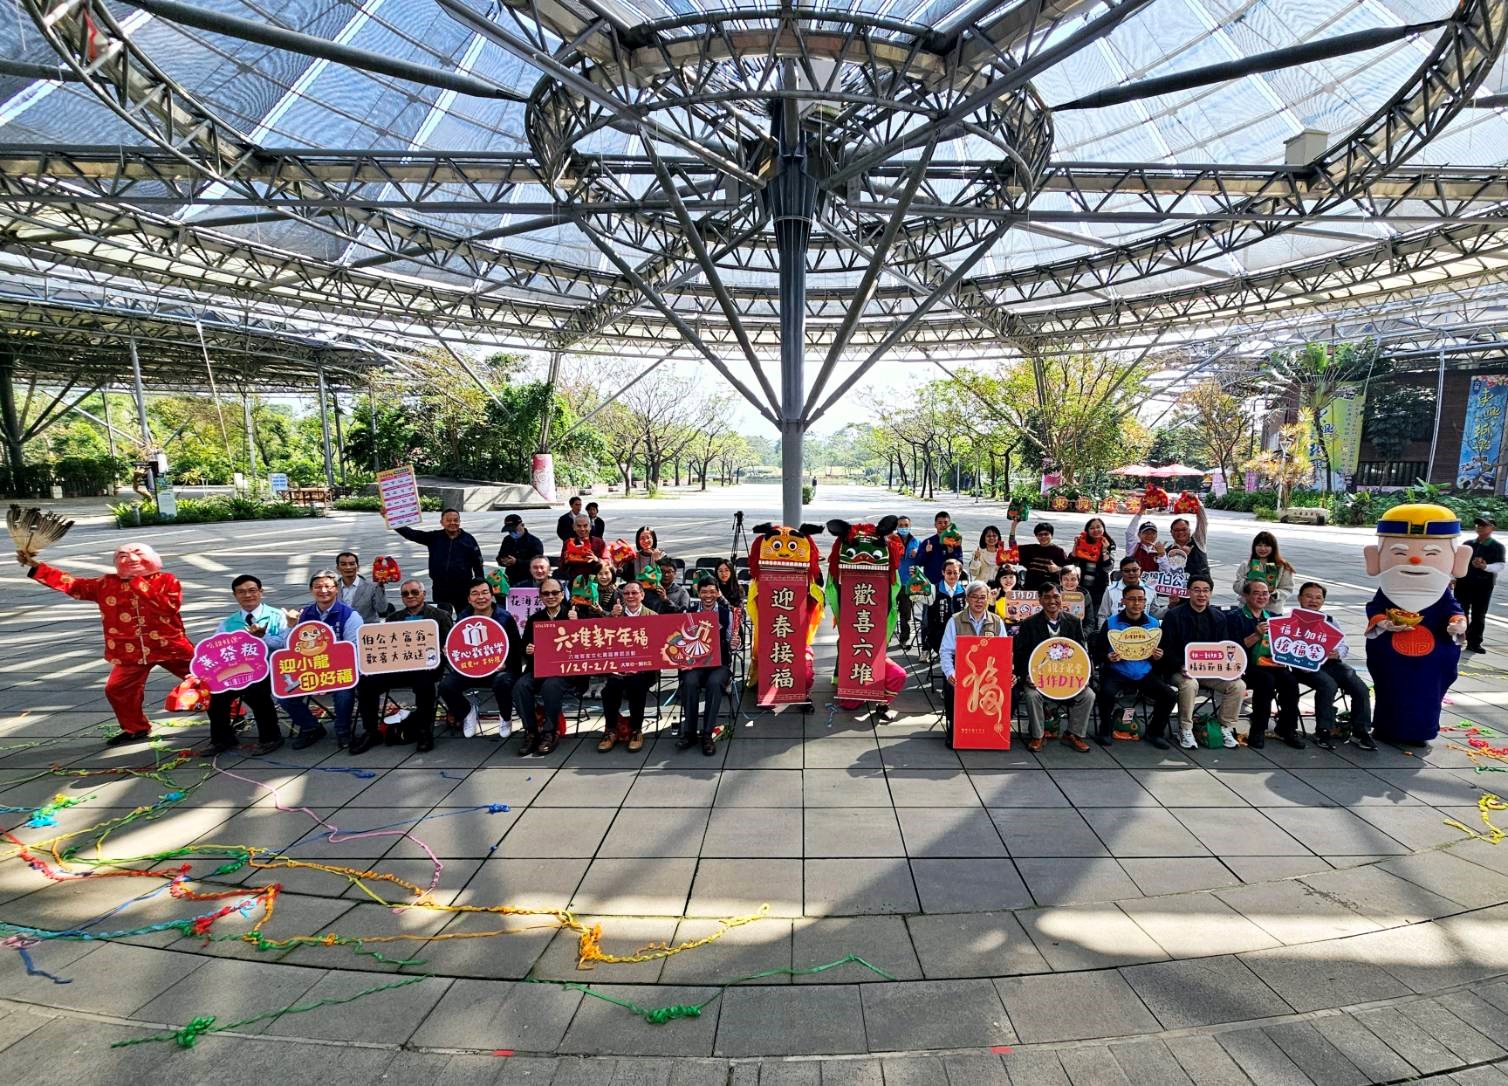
(1142, 545)
(1413, 622)
(517, 547)
(1474, 590)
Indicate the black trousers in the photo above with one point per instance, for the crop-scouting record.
(1329, 680)
(454, 686)
(1150, 686)
(1474, 596)
(635, 687)
(258, 700)
(551, 691)
(1265, 683)
(694, 682)
(372, 690)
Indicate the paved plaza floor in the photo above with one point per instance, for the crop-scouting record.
(1126, 915)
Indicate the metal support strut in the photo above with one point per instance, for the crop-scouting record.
(324, 430)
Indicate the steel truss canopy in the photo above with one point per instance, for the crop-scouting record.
(970, 178)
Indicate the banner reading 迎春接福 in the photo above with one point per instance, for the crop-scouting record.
(782, 616)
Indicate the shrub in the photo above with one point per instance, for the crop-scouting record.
(807, 493)
(1265, 512)
(371, 503)
(206, 511)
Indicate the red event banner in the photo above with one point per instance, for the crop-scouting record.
(230, 661)
(477, 646)
(982, 694)
(782, 606)
(599, 646)
(313, 663)
(864, 615)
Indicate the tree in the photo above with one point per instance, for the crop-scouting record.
(1216, 419)
(1396, 420)
(1289, 464)
(1316, 375)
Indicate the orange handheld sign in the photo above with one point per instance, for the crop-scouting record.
(313, 663)
(1059, 668)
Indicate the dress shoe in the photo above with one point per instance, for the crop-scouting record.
(1076, 742)
(547, 744)
(362, 743)
(1157, 741)
(1292, 740)
(1103, 740)
(606, 743)
(1256, 740)
(308, 737)
(424, 742)
(214, 750)
(121, 739)
(685, 742)
(635, 742)
(709, 746)
(263, 749)
(1034, 744)
(527, 743)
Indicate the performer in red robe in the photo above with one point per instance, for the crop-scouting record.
(139, 608)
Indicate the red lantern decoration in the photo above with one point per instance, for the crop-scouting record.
(385, 569)
(1187, 503)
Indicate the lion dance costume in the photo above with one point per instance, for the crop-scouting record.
(139, 609)
(865, 549)
(784, 551)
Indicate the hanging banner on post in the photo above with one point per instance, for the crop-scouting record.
(864, 590)
(1482, 433)
(1341, 424)
(399, 491)
(542, 475)
(982, 694)
(784, 678)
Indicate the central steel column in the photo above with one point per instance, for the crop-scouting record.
(141, 399)
(324, 430)
(791, 197)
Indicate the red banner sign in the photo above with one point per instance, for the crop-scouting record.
(781, 637)
(982, 696)
(599, 646)
(477, 646)
(863, 613)
(1303, 639)
(313, 663)
(230, 661)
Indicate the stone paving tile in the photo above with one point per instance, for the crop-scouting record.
(402, 788)
(880, 940)
(1102, 788)
(949, 831)
(1407, 1039)
(1476, 1012)
(737, 887)
(670, 788)
(496, 784)
(737, 952)
(499, 1014)
(856, 887)
(1450, 876)
(974, 945)
(1142, 831)
(654, 831)
(759, 788)
(1188, 787)
(1357, 787)
(533, 884)
(1271, 788)
(639, 886)
(853, 831)
(1037, 1067)
(765, 754)
(1382, 896)
(1046, 831)
(1322, 975)
(507, 956)
(1177, 875)
(1074, 1006)
(600, 1028)
(776, 1021)
(1293, 912)
(1204, 1061)
(913, 1071)
(1191, 925)
(903, 1017)
(621, 935)
(1315, 1056)
(1088, 937)
(932, 788)
(966, 1070)
(548, 833)
(389, 1017)
(844, 788)
(1335, 832)
(1149, 1062)
(1017, 788)
(586, 788)
(1460, 1038)
(738, 832)
(843, 752)
(1268, 868)
(971, 885)
(1260, 1057)
(1203, 992)
(114, 979)
(917, 752)
(1239, 832)
(1436, 787)
(1074, 880)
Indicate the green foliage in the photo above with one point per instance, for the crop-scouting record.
(371, 503)
(1265, 512)
(1316, 374)
(207, 511)
(86, 476)
(1397, 417)
(807, 493)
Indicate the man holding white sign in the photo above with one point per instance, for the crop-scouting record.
(1198, 621)
(385, 667)
(1333, 676)
(1127, 650)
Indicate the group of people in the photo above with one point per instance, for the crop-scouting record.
(945, 595)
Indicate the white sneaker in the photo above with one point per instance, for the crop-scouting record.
(1229, 735)
(1186, 738)
(504, 728)
(472, 724)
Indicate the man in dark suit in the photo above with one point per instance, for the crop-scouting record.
(695, 723)
(565, 527)
(371, 692)
(1051, 621)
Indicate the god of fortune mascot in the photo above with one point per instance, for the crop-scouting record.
(860, 550)
(1414, 624)
(779, 555)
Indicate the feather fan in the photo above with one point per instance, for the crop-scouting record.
(32, 528)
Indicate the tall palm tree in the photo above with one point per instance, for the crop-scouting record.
(1318, 373)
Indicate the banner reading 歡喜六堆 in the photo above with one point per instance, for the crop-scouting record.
(1482, 433)
(982, 694)
(230, 661)
(784, 600)
(477, 646)
(314, 662)
(1173, 583)
(1341, 423)
(409, 645)
(622, 645)
(1214, 660)
(1059, 668)
(1303, 639)
(521, 603)
(864, 616)
(398, 489)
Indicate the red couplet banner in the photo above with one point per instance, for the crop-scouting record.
(863, 618)
(597, 646)
(982, 697)
(782, 604)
